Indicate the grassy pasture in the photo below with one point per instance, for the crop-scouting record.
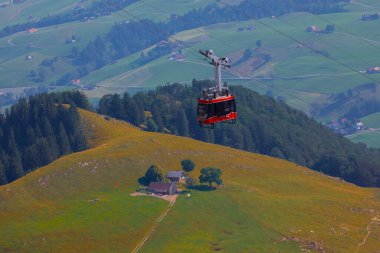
(372, 121)
(298, 68)
(81, 201)
(372, 139)
(20, 13)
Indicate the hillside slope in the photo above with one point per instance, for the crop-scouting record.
(82, 202)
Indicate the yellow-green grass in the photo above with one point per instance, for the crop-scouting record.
(81, 202)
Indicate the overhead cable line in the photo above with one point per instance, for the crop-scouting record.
(228, 45)
(331, 45)
(301, 43)
(196, 53)
(365, 40)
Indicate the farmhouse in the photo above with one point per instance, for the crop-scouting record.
(312, 29)
(75, 81)
(373, 70)
(175, 176)
(32, 30)
(162, 188)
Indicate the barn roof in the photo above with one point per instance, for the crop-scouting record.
(158, 186)
(174, 174)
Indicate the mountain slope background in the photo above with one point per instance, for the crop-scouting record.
(81, 201)
(264, 125)
(304, 78)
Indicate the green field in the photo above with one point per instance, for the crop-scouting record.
(372, 137)
(82, 202)
(297, 69)
(372, 121)
(32, 11)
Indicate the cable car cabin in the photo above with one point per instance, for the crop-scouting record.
(215, 110)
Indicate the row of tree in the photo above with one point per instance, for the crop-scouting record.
(264, 126)
(36, 131)
(208, 175)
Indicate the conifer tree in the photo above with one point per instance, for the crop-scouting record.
(63, 140)
(3, 177)
(183, 123)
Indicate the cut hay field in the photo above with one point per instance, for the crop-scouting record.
(82, 202)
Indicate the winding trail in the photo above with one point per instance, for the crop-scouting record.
(153, 228)
(374, 220)
(11, 43)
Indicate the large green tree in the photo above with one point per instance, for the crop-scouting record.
(211, 175)
(153, 174)
(187, 165)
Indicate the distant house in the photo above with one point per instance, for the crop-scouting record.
(75, 81)
(162, 188)
(177, 57)
(373, 70)
(312, 29)
(32, 30)
(29, 57)
(175, 176)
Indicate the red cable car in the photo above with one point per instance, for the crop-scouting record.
(216, 104)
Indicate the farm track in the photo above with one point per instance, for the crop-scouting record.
(375, 220)
(371, 130)
(153, 228)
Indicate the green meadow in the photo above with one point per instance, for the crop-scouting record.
(371, 138)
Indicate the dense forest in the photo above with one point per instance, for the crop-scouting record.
(36, 131)
(126, 38)
(264, 126)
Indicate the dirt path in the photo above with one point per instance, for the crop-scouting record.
(373, 130)
(375, 220)
(360, 4)
(153, 228)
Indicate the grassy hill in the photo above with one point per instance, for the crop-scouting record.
(82, 202)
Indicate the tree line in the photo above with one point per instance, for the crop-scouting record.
(264, 126)
(36, 131)
(126, 38)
